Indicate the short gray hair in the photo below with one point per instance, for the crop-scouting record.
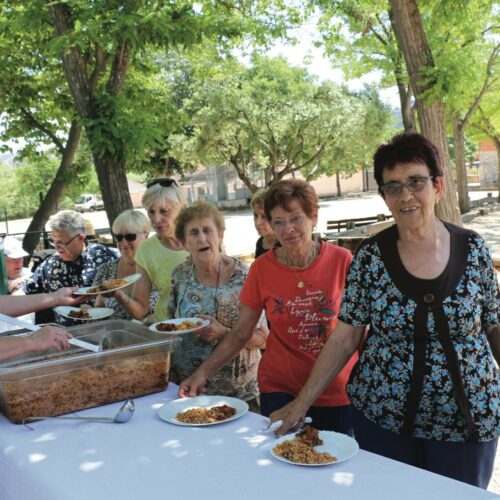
(162, 194)
(68, 220)
(131, 221)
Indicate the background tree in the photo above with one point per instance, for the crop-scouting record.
(358, 37)
(412, 41)
(272, 120)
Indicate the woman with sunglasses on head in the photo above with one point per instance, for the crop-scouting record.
(130, 229)
(299, 285)
(161, 253)
(426, 390)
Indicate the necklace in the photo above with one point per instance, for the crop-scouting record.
(310, 258)
(425, 258)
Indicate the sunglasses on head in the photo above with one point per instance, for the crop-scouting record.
(128, 237)
(163, 182)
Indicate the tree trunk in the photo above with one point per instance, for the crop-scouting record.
(51, 200)
(459, 141)
(337, 182)
(110, 167)
(413, 44)
(496, 140)
(114, 186)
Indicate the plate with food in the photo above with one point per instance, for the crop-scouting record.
(84, 313)
(314, 448)
(108, 285)
(203, 410)
(179, 325)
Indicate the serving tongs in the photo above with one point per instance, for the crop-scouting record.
(101, 346)
(274, 426)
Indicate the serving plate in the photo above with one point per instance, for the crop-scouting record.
(129, 279)
(341, 446)
(178, 321)
(169, 411)
(94, 312)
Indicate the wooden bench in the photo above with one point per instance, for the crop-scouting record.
(345, 224)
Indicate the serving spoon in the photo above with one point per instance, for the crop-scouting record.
(123, 415)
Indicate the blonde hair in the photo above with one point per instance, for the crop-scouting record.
(257, 200)
(131, 221)
(162, 194)
(198, 210)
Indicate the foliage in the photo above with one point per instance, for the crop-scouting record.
(272, 119)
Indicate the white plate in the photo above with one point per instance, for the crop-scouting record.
(129, 279)
(177, 321)
(341, 446)
(169, 411)
(94, 312)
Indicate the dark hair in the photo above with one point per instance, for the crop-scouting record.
(198, 210)
(283, 192)
(406, 148)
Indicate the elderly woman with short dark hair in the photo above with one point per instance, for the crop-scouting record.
(426, 391)
(299, 286)
(208, 285)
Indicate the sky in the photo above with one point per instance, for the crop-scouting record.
(320, 66)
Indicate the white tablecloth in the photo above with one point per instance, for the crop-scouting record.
(150, 459)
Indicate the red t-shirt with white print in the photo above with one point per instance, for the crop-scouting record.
(301, 319)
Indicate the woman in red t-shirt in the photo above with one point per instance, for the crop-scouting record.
(300, 286)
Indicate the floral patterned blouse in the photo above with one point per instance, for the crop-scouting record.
(54, 273)
(188, 298)
(109, 271)
(380, 383)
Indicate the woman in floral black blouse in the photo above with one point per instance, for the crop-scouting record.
(426, 390)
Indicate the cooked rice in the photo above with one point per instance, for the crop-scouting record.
(206, 415)
(298, 452)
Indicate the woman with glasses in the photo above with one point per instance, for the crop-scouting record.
(161, 253)
(426, 390)
(299, 286)
(130, 229)
(208, 285)
(74, 263)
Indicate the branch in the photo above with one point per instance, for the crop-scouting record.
(40, 126)
(486, 85)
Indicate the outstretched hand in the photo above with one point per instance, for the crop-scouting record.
(192, 386)
(65, 297)
(49, 336)
(291, 414)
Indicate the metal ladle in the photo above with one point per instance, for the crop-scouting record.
(123, 415)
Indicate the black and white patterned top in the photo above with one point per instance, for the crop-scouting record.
(109, 271)
(381, 381)
(54, 273)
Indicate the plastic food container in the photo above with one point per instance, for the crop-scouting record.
(135, 362)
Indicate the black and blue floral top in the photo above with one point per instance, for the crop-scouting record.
(54, 273)
(380, 383)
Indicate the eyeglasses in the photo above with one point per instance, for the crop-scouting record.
(163, 182)
(128, 237)
(60, 244)
(414, 184)
(280, 224)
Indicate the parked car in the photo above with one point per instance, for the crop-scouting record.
(89, 202)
